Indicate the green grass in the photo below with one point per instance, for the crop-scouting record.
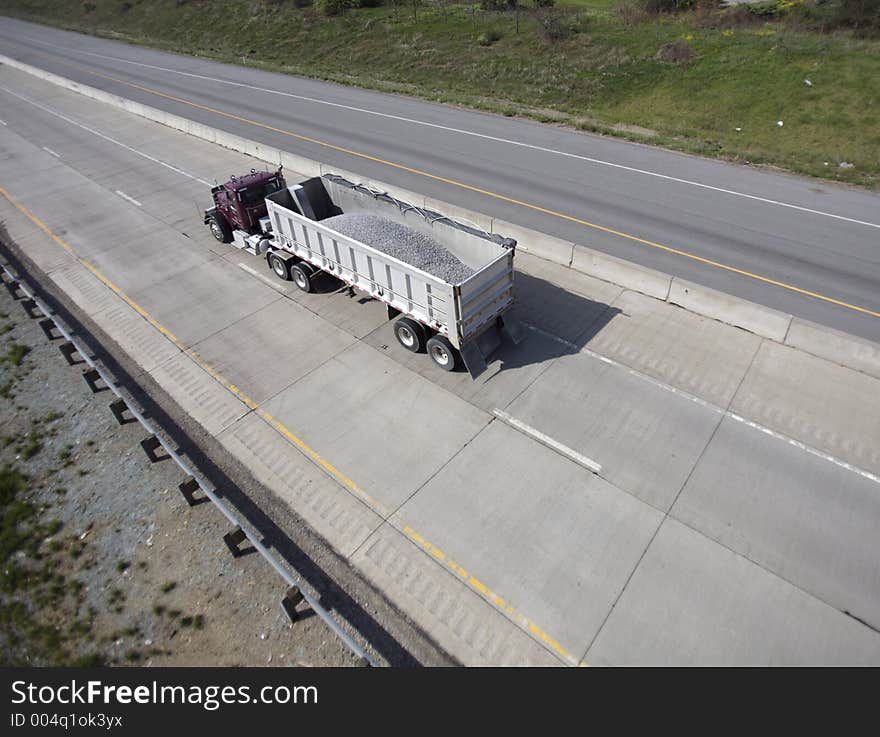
(16, 528)
(16, 353)
(602, 5)
(32, 592)
(31, 445)
(603, 76)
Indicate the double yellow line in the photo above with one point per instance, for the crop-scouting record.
(488, 193)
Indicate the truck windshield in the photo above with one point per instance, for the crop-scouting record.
(258, 193)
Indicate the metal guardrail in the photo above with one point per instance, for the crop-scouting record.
(196, 481)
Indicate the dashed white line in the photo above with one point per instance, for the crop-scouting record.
(261, 277)
(546, 440)
(508, 141)
(105, 137)
(2, 122)
(127, 197)
(564, 450)
(802, 446)
(708, 405)
(631, 371)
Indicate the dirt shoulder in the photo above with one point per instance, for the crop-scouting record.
(104, 562)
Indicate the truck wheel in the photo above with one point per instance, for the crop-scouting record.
(220, 229)
(410, 334)
(302, 277)
(442, 353)
(279, 266)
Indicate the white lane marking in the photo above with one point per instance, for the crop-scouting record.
(2, 122)
(633, 372)
(126, 197)
(262, 277)
(812, 451)
(53, 153)
(563, 450)
(105, 137)
(708, 405)
(511, 142)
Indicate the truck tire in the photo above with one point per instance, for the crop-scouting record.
(302, 276)
(410, 334)
(279, 266)
(220, 229)
(442, 353)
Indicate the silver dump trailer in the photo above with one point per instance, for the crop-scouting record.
(448, 285)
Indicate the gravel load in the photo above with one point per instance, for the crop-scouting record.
(402, 243)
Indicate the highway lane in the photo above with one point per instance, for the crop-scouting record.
(738, 477)
(626, 199)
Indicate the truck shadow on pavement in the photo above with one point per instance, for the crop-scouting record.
(557, 322)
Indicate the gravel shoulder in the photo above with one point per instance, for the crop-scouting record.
(105, 563)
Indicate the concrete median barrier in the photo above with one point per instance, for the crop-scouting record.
(620, 272)
(842, 348)
(538, 244)
(755, 318)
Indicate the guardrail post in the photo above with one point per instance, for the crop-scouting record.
(92, 377)
(150, 446)
(67, 350)
(233, 539)
(118, 408)
(30, 307)
(188, 490)
(47, 325)
(12, 287)
(290, 601)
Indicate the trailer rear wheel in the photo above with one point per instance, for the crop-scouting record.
(279, 266)
(442, 353)
(302, 276)
(220, 229)
(410, 334)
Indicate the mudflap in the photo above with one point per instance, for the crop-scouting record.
(474, 361)
(475, 352)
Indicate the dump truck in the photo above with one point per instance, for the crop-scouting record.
(448, 285)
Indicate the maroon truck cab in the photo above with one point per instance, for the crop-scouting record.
(240, 203)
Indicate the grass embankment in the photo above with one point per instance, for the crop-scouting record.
(599, 73)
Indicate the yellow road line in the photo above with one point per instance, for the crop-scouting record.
(495, 195)
(489, 595)
(250, 403)
(306, 449)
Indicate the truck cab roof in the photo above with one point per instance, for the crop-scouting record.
(237, 184)
(248, 180)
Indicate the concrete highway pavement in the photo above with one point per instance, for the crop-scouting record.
(734, 517)
(759, 229)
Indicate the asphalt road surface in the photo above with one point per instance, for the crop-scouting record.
(802, 246)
